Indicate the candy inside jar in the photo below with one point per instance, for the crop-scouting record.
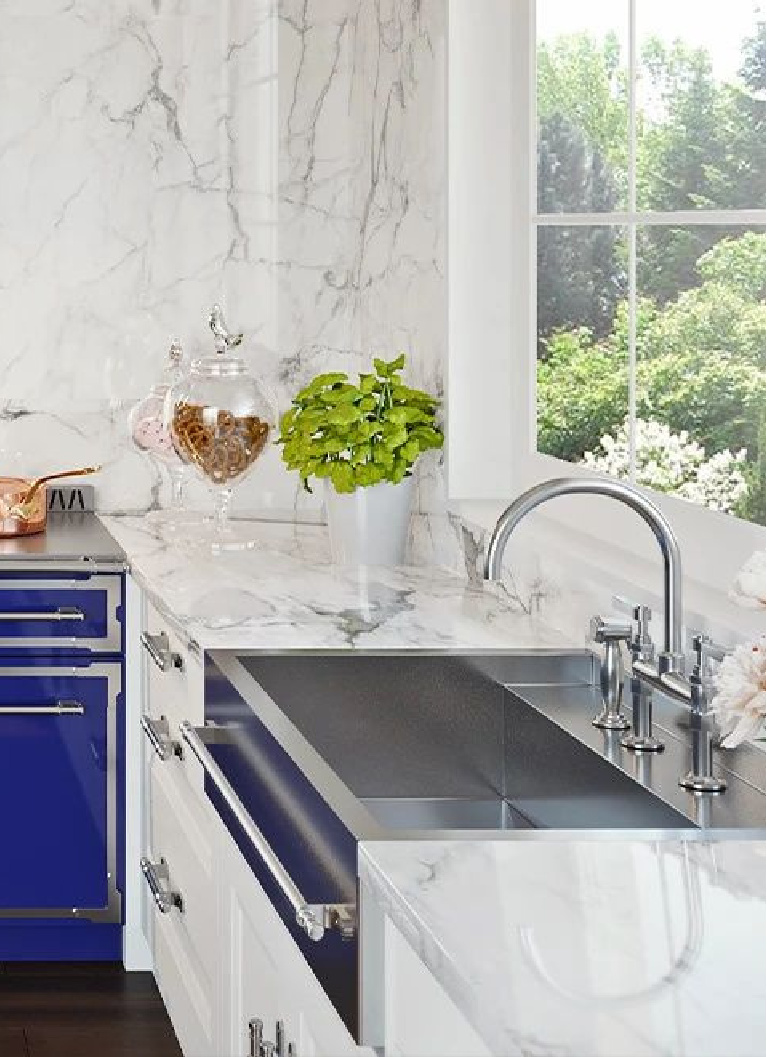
(147, 422)
(149, 430)
(222, 445)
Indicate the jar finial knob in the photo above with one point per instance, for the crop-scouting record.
(225, 339)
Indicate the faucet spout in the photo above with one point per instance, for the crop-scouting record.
(672, 658)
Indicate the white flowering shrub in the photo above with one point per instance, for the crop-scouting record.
(671, 462)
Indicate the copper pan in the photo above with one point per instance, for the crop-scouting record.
(24, 502)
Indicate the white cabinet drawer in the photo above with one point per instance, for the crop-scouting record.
(174, 673)
(184, 939)
(175, 691)
(187, 997)
(180, 834)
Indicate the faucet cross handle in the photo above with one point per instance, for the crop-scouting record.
(603, 631)
(705, 650)
(642, 646)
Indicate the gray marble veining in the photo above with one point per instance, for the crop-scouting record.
(285, 594)
(284, 157)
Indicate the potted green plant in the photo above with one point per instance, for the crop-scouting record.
(362, 442)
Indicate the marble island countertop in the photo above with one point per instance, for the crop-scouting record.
(605, 948)
(284, 594)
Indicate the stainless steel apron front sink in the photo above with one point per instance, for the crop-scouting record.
(307, 754)
(485, 741)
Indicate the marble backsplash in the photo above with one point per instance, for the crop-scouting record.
(285, 157)
(543, 577)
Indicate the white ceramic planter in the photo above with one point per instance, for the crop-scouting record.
(370, 525)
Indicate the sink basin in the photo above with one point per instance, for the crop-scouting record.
(444, 743)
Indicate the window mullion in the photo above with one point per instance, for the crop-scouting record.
(673, 217)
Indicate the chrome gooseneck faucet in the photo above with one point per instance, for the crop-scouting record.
(672, 657)
(665, 674)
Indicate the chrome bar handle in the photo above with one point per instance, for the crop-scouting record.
(157, 877)
(158, 648)
(314, 919)
(63, 613)
(158, 733)
(61, 708)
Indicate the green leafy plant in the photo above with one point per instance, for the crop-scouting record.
(359, 435)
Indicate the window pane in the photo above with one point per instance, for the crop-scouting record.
(582, 338)
(701, 120)
(582, 105)
(700, 368)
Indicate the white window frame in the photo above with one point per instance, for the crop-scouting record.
(492, 220)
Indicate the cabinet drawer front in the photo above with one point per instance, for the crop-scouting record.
(180, 834)
(175, 693)
(187, 998)
(61, 613)
(184, 940)
(58, 744)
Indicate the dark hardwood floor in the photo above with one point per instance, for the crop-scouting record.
(84, 1009)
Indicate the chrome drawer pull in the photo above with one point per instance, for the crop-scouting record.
(314, 919)
(158, 648)
(158, 732)
(61, 708)
(67, 613)
(157, 877)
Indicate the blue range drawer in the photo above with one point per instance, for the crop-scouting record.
(60, 612)
(59, 733)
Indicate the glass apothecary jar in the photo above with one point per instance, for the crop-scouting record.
(149, 431)
(221, 419)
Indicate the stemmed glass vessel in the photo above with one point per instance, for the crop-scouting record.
(220, 422)
(149, 431)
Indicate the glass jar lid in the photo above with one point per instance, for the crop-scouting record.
(219, 366)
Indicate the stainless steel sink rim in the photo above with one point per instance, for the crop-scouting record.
(351, 807)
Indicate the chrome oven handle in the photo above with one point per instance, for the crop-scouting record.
(157, 877)
(60, 708)
(314, 919)
(63, 613)
(158, 733)
(158, 648)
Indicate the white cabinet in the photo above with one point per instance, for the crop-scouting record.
(222, 956)
(420, 1018)
(252, 989)
(265, 976)
(178, 846)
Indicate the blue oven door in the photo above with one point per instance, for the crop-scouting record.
(58, 734)
(60, 613)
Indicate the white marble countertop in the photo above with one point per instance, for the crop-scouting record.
(587, 948)
(284, 594)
